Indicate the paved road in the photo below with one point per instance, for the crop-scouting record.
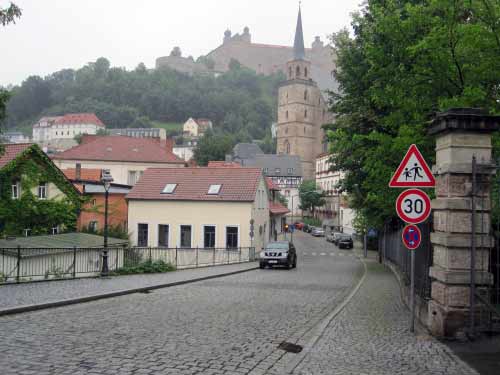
(15, 295)
(231, 325)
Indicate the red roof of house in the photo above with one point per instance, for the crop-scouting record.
(238, 184)
(121, 148)
(79, 118)
(223, 164)
(86, 174)
(270, 184)
(11, 151)
(277, 208)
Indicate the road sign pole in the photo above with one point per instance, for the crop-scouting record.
(412, 291)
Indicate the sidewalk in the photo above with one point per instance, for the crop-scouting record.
(371, 336)
(53, 293)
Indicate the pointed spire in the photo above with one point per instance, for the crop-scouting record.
(298, 45)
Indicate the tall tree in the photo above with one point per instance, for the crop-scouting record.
(310, 196)
(406, 60)
(7, 15)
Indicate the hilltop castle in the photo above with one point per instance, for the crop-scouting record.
(262, 58)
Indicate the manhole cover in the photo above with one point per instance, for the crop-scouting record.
(289, 347)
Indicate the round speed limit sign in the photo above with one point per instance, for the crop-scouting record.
(413, 206)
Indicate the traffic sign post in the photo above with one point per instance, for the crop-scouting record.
(413, 206)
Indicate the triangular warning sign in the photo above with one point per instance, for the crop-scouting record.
(413, 171)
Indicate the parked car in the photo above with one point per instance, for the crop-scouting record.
(278, 253)
(330, 236)
(345, 241)
(308, 228)
(318, 232)
(298, 225)
(336, 237)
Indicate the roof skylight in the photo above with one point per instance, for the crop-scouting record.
(214, 189)
(169, 189)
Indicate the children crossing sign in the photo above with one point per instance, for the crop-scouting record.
(413, 171)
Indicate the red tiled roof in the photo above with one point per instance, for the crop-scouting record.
(277, 208)
(86, 174)
(223, 164)
(79, 118)
(121, 148)
(270, 184)
(11, 151)
(238, 184)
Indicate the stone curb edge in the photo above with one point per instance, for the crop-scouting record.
(320, 328)
(74, 301)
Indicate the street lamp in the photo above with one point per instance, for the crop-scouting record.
(106, 180)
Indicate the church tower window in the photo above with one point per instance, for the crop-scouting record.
(304, 130)
(297, 72)
(286, 115)
(286, 130)
(305, 95)
(305, 72)
(287, 147)
(290, 72)
(305, 113)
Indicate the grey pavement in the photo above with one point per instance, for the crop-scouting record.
(15, 295)
(371, 336)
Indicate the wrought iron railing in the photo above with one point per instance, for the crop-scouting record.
(33, 264)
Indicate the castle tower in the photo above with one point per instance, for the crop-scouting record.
(301, 109)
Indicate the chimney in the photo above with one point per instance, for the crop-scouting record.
(78, 171)
(168, 143)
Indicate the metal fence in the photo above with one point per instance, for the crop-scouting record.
(27, 264)
(392, 248)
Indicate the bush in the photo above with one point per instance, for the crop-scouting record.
(157, 266)
(312, 221)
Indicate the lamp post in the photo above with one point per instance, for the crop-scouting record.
(106, 180)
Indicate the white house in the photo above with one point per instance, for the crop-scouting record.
(205, 208)
(66, 127)
(196, 127)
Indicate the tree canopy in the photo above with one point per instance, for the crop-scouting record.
(237, 101)
(310, 196)
(405, 61)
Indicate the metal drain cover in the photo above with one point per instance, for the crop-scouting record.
(289, 347)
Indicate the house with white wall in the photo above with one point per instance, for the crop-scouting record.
(204, 208)
(66, 127)
(126, 157)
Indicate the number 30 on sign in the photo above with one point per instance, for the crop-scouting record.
(413, 206)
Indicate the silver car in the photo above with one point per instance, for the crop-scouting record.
(318, 232)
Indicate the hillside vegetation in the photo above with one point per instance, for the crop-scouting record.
(240, 103)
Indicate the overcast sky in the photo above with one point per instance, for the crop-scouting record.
(57, 34)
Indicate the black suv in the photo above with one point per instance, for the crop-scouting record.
(279, 253)
(345, 240)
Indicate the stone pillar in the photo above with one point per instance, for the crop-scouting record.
(460, 134)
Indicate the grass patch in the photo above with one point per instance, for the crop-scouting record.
(156, 266)
(168, 126)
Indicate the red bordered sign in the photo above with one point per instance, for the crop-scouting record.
(413, 206)
(412, 237)
(413, 171)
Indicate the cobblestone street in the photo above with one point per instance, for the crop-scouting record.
(233, 325)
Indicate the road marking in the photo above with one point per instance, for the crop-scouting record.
(314, 254)
(323, 254)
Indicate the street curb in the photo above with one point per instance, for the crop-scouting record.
(74, 301)
(321, 327)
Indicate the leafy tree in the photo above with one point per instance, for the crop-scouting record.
(212, 147)
(406, 60)
(7, 15)
(310, 196)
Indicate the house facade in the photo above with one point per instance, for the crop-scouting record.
(126, 157)
(196, 127)
(91, 217)
(35, 196)
(336, 210)
(205, 208)
(66, 126)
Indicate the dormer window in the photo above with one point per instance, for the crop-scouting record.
(169, 189)
(16, 190)
(214, 189)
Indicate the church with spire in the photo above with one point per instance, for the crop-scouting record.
(302, 110)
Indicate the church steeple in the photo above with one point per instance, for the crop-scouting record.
(298, 45)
